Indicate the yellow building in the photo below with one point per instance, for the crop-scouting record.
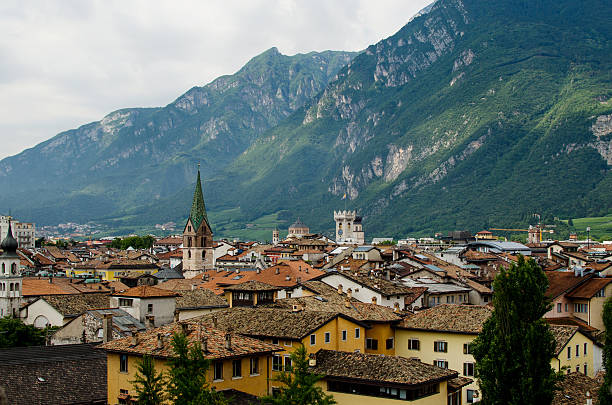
(359, 378)
(111, 270)
(573, 352)
(288, 329)
(442, 336)
(238, 362)
(587, 300)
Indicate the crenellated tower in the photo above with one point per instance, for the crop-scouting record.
(349, 229)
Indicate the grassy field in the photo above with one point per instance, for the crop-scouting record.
(601, 227)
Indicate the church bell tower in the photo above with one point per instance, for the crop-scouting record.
(11, 280)
(198, 254)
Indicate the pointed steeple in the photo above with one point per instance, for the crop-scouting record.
(198, 209)
(9, 245)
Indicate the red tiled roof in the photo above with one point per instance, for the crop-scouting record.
(158, 342)
(589, 288)
(560, 282)
(146, 291)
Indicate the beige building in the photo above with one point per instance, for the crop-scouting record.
(443, 336)
(23, 232)
(360, 378)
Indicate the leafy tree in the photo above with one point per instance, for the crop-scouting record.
(148, 383)
(187, 375)
(300, 388)
(14, 333)
(137, 242)
(605, 396)
(514, 350)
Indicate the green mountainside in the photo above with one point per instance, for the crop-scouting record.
(140, 156)
(476, 114)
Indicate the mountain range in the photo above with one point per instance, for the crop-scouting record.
(475, 114)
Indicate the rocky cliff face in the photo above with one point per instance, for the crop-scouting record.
(465, 106)
(158, 148)
(474, 113)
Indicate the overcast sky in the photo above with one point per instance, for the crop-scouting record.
(65, 63)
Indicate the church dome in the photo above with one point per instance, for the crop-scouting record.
(9, 244)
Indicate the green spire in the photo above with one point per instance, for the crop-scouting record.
(198, 209)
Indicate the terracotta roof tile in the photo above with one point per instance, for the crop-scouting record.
(270, 322)
(75, 304)
(562, 334)
(573, 387)
(377, 368)
(589, 288)
(560, 282)
(158, 342)
(199, 298)
(449, 318)
(146, 291)
(252, 285)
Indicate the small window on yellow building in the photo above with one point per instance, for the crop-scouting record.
(123, 363)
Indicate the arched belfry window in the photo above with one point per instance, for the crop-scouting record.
(189, 254)
(189, 241)
(203, 254)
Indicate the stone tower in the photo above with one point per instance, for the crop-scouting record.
(197, 237)
(348, 228)
(10, 277)
(275, 236)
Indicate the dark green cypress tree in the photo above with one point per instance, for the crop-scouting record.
(187, 383)
(299, 384)
(148, 383)
(605, 396)
(514, 350)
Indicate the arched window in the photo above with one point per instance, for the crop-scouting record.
(13, 268)
(203, 254)
(11, 287)
(3, 268)
(203, 241)
(17, 287)
(189, 241)
(189, 254)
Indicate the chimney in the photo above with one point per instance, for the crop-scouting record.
(306, 270)
(134, 340)
(258, 270)
(150, 321)
(396, 307)
(160, 342)
(374, 300)
(312, 360)
(287, 277)
(589, 398)
(50, 280)
(228, 341)
(388, 274)
(298, 280)
(176, 315)
(204, 344)
(339, 288)
(347, 302)
(107, 328)
(349, 293)
(193, 287)
(277, 271)
(214, 320)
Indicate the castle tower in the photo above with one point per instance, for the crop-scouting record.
(10, 277)
(197, 237)
(348, 228)
(275, 236)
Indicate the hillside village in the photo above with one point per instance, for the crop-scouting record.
(382, 322)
